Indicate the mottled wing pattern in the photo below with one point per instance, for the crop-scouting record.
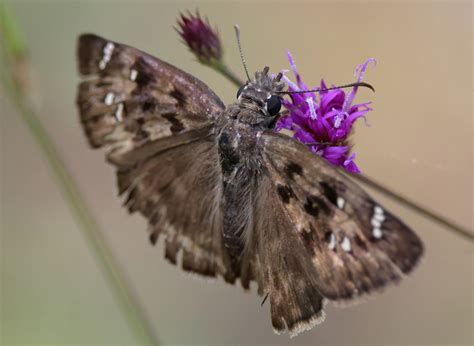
(348, 245)
(281, 268)
(156, 125)
(134, 104)
(180, 191)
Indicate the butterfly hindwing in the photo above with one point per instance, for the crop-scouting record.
(355, 245)
(285, 272)
(179, 191)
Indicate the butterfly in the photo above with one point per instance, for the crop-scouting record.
(231, 197)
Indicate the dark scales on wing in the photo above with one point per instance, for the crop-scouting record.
(285, 192)
(293, 169)
(176, 124)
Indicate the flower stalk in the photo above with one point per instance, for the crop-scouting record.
(205, 43)
(223, 69)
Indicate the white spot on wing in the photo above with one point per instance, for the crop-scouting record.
(107, 54)
(109, 98)
(332, 242)
(376, 223)
(119, 112)
(378, 210)
(133, 74)
(346, 244)
(379, 217)
(340, 202)
(377, 232)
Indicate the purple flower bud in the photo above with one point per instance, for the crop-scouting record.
(324, 121)
(200, 37)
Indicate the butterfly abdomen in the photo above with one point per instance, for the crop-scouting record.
(239, 175)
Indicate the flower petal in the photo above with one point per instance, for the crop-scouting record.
(312, 111)
(323, 120)
(304, 137)
(295, 71)
(360, 70)
(350, 165)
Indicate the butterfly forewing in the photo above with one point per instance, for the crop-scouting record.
(356, 246)
(133, 103)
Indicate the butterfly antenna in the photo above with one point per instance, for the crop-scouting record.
(237, 33)
(357, 84)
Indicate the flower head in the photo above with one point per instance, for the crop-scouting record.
(324, 122)
(200, 37)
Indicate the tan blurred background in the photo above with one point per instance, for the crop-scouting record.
(419, 144)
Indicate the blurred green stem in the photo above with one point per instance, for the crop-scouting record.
(12, 77)
(222, 68)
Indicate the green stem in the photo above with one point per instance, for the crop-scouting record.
(222, 68)
(13, 50)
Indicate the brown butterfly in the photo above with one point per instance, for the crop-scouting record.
(231, 195)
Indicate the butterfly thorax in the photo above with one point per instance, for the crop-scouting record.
(240, 124)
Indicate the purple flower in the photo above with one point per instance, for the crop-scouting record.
(324, 121)
(200, 37)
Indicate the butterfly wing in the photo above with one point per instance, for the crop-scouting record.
(180, 191)
(348, 245)
(277, 256)
(156, 125)
(134, 104)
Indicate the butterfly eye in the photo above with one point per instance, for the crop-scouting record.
(240, 90)
(273, 105)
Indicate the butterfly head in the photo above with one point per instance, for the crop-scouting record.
(261, 94)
